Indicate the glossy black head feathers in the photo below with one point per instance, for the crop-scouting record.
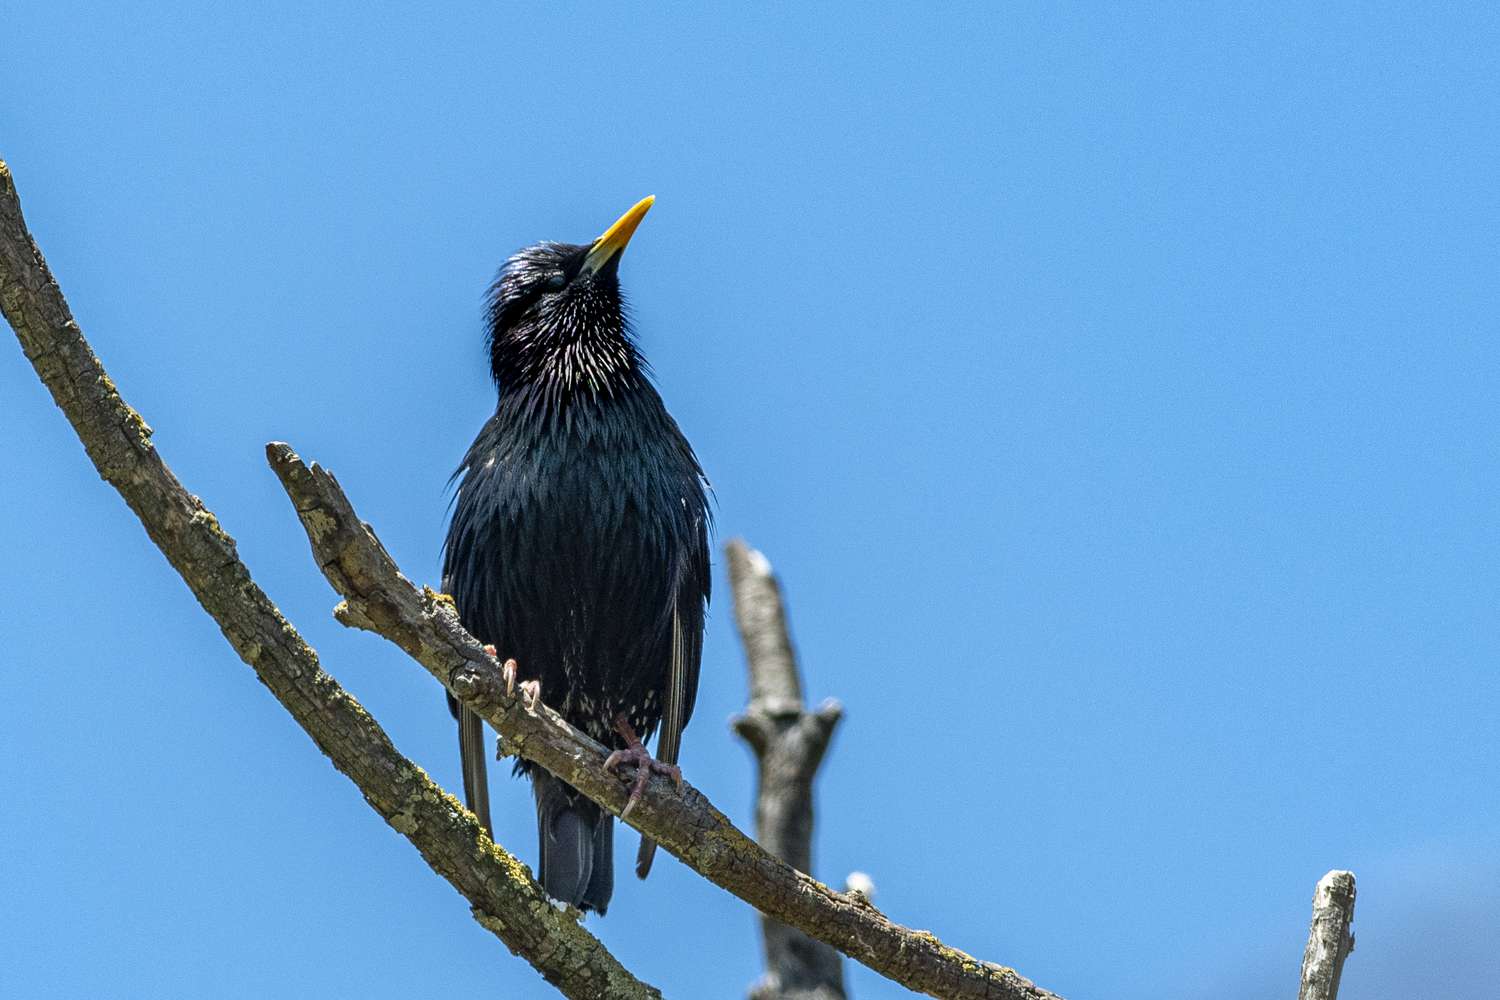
(556, 325)
(557, 319)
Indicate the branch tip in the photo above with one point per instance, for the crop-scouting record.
(1329, 940)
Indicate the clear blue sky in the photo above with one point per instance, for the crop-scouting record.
(1116, 393)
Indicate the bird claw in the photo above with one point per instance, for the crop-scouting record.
(531, 691)
(645, 765)
(508, 671)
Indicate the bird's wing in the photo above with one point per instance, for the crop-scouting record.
(682, 677)
(675, 707)
(689, 595)
(471, 751)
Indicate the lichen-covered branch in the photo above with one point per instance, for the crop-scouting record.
(789, 743)
(500, 890)
(423, 623)
(117, 440)
(1328, 939)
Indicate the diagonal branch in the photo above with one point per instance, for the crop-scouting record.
(503, 896)
(377, 597)
(789, 743)
(424, 624)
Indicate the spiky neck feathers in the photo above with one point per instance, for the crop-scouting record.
(557, 328)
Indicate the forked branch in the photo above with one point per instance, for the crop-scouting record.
(788, 742)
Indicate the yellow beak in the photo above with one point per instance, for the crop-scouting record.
(607, 247)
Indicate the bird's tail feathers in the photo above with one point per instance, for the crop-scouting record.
(576, 844)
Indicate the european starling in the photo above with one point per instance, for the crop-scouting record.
(579, 542)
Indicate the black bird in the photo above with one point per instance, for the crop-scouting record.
(579, 542)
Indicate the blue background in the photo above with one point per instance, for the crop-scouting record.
(1114, 391)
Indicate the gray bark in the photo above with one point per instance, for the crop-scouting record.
(1329, 941)
(800, 911)
(424, 624)
(789, 743)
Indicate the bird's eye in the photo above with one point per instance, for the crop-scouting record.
(554, 281)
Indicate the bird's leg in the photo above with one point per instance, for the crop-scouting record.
(636, 755)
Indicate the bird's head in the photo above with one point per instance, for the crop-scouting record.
(556, 318)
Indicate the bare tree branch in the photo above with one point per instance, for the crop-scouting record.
(1328, 940)
(512, 906)
(504, 897)
(789, 743)
(423, 623)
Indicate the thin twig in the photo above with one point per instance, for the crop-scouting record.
(789, 743)
(503, 896)
(1328, 940)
